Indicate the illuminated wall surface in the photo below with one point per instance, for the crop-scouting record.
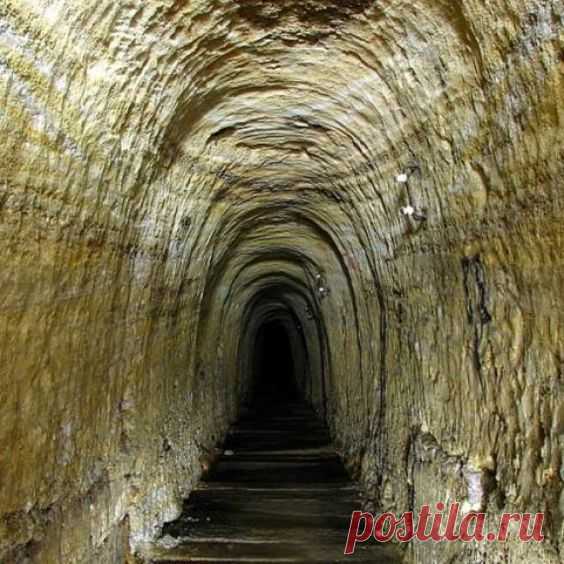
(383, 180)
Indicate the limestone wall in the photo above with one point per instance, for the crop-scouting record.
(174, 172)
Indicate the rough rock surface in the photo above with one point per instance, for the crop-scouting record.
(174, 172)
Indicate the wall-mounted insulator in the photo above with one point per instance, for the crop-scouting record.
(411, 212)
(403, 178)
(322, 288)
(323, 292)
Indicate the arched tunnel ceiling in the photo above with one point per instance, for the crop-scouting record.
(173, 173)
(270, 98)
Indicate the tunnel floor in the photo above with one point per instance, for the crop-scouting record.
(278, 493)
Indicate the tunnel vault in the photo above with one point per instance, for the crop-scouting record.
(380, 179)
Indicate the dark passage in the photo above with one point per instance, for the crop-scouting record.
(278, 493)
(274, 377)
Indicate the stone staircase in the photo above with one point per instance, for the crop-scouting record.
(279, 493)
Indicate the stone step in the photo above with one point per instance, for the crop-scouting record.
(281, 495)
(272, 553)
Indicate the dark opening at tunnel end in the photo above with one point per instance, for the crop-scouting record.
(274, 378)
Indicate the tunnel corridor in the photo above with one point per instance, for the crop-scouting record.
(276, 490)
(267, 261)
(278, 493)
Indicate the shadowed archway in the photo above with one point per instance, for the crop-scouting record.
(274, 380)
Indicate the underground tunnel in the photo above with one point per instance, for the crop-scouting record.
(266, 263)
